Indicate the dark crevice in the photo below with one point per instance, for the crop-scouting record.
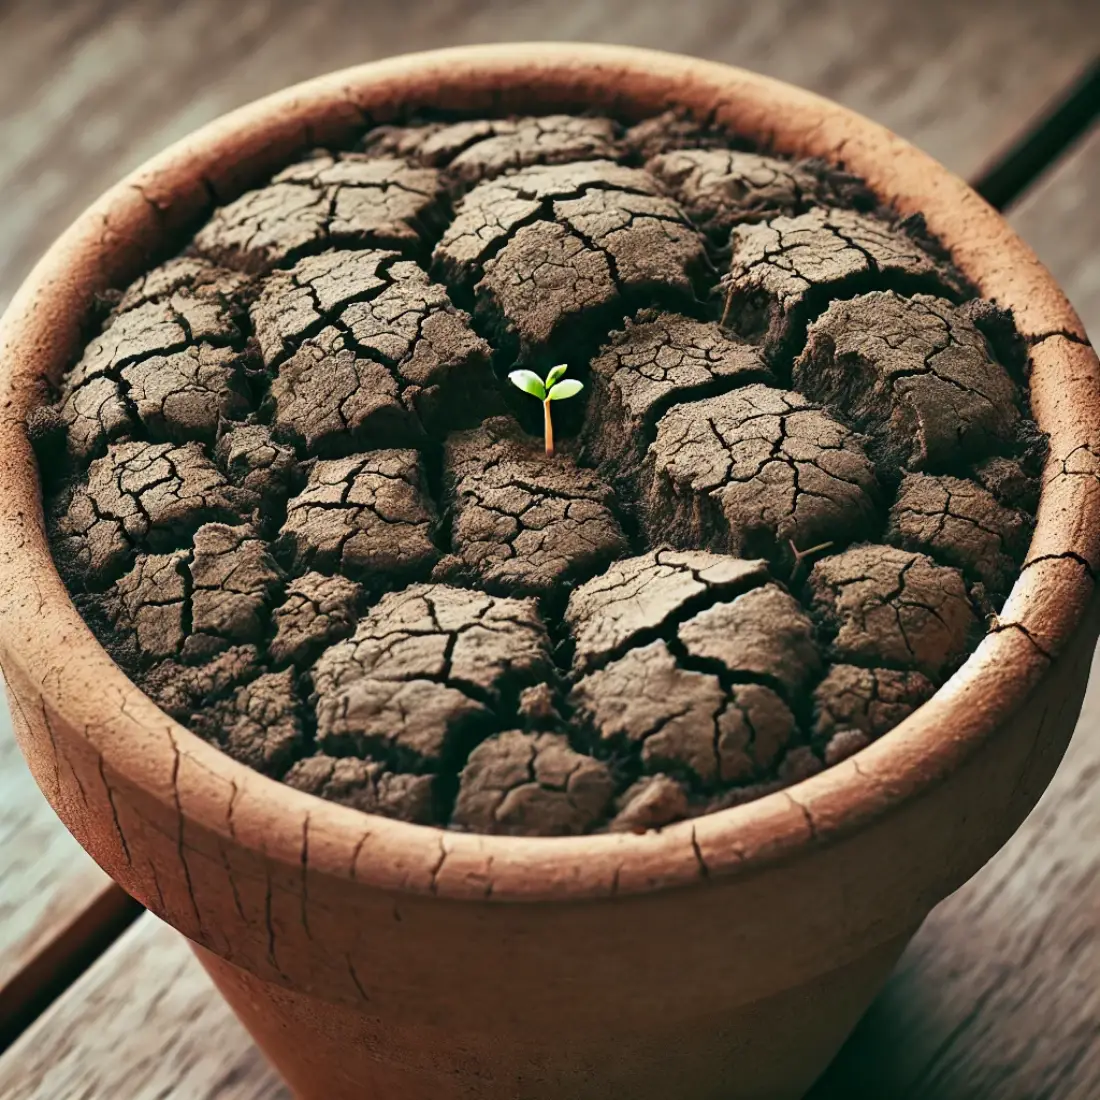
(60, 962)
(729, 678)
(1065, 119)
(1064, 334)
(666, 631)
(1065, 555)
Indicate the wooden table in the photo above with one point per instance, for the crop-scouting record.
(999, 995)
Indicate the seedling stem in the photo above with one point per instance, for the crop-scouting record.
(548, 428)
(552, 388)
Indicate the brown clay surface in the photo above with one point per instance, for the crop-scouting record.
(656, 361)
(522, 525)
(169, 359)
(365, 350)
(758, 472)
(882, 606)
(324, 202)
(721, 188)
(481, 149)
(552, 254)
(427, 668)
(521, 783)
(367, 515)
(146, 495)
(961, 523)
(916, 373)
(784, 271)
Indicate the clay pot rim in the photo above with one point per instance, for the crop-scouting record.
(213, 794)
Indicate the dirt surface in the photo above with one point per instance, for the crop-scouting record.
(366, 785)
(260, 724)
(522, 525)
(427, 669)
(682, 720)
(168, 363)
(521, 783)
(647, 596)
(183, 689)
(959, 522)
(869, 701)
(367, 516)
(916, 374)
(318, 610)
(656, 361)
(325, 202)
(482, 149)
(295, 496)
(894, 608)
(757, 472)
(784, 271)
(141, 496)
(192, 603)
(551, 255)
(722, 188)
(252, 460)
(654, 801)
(365, 351)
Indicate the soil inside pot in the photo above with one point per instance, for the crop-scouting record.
(293, 494)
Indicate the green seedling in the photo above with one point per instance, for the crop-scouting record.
(553, 388)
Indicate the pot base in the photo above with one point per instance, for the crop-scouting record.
(770, 1049)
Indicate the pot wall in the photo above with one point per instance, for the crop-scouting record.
(772, 1049)
(736, 987)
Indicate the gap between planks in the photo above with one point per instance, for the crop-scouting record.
(1043, 142)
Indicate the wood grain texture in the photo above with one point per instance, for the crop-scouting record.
(1059, 219)
(144, 1023)
(93, 88)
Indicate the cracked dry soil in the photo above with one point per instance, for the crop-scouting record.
(294, 497)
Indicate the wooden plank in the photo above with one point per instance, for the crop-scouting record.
(1044, 142)
(56, 906)
(143, 1023)
(92, 89)
(1059, 219)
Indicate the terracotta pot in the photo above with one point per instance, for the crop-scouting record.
(726, 957)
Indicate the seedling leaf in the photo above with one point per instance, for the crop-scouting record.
(555, 374)
(529, 382)
(569, 388)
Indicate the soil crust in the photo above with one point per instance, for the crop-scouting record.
(758, 472)
(916, 374)
(522, 525)
(294, 494)
(783, 271)
(551, 255)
